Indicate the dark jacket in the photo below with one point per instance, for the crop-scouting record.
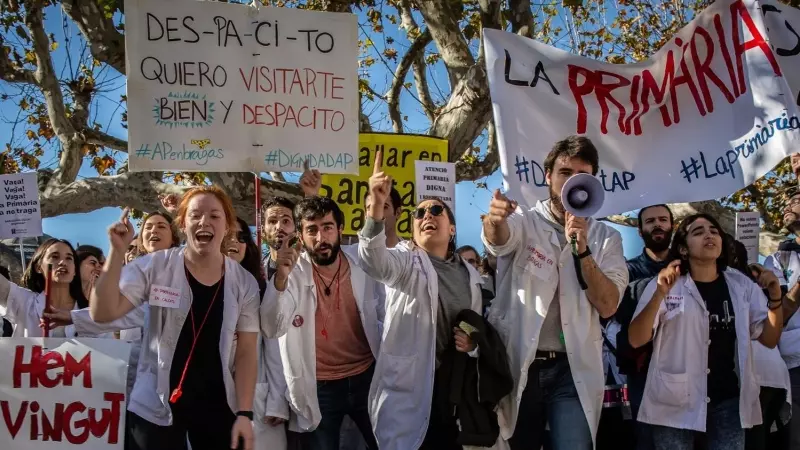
(643, 267)
(472, 387)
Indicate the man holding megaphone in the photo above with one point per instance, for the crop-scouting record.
(566, 271)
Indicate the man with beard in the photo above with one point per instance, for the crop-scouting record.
(655, 228)
(548, 315)
(278, 226)
(322, 307)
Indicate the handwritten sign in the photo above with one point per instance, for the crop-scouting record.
(436, 180)
(60, 393)
(400, 152)
(224, 87)
(706, 115)
(20, 213)
(783, 27)
(748, 227)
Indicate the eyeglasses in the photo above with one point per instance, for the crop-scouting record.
(435, 210)
(242, 237)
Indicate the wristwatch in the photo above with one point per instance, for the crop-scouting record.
(248, 414)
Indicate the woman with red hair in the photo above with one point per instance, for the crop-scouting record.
(198, 367)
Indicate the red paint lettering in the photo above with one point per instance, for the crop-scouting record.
(13, 426)
(39, 365)
(739, 48)
(704, 71)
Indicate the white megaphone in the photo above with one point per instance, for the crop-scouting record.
(582, 195)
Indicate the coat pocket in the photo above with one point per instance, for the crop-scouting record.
(400, 373)
(669, 388)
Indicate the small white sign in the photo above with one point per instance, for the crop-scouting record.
(20, 213)
(165, 296)
(748, 227)
(436, 180)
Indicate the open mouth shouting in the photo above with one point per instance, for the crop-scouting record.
(204, 237)
(429, 227)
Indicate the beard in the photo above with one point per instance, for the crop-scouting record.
(557, 206)
(320, 259)
(275, 240)
(657, 244)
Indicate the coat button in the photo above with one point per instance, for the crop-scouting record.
(709, 342)
(708, 371)
(708, 400)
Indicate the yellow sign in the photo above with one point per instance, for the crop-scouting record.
(399, 153)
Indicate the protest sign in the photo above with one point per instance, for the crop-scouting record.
(217, 87)
(706, 115)
(20, 214)
(436, 180)
(57, 392)
(748, 227)
(400, 152)
(783, 25)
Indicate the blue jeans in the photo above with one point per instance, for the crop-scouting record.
(550, 397)
(723, 430)
(337, 399)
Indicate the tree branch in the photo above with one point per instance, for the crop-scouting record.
(393, 96)
(443, 25)
(423, 90)
(102, 139)
(70, 160)
(10, 73)
(106, 43)
(472, 170)
(521, 17)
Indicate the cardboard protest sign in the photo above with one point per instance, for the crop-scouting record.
(748, 228)
(20, 212)
(706, 115)
(400, 152)
(217, 87)
(436, 180)
(63, 393)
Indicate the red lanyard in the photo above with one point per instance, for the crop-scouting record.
(178, 392)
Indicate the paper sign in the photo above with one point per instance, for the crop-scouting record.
(400, 151)
(20, 213)
(539, 263)
(703, 117)
(217, 87)
(63, 393)
(674, 305)
(436, 180)
(748, 227)
(164, 296)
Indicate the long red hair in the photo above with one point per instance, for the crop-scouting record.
(224, 199)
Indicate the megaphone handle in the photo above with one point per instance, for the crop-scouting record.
(574, 241)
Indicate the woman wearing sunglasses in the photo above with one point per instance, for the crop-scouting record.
(427, 286)
(270, 408)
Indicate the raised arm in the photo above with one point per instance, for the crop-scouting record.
(379, 262)
(280, 299)
(650, 307)
(106, 302)
(605, 284)
(496, 231)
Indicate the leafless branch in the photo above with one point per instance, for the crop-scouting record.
(521, 17)
(102, 139)
(443, 25)
(423, 90)
(107, 44)
(70, 161)
(393, 97)
(10, 73)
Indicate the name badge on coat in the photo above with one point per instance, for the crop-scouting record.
(539, 263)
(675, 306)
(164, 296)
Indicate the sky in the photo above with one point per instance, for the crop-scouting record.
(90, 228)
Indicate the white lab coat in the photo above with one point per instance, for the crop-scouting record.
(298, 344)
(150, 396)
(270, 399)
(524, 292)
(788, 274)
(24, 308)
(676, 391)
(402, 388)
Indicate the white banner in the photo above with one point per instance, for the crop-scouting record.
(705, 116)
(63, 393)
(227, 87)
(783, 27)
(20, 212)
(748, 227)
(436, 180)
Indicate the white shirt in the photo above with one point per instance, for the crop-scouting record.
(150, 396)
(402, 388)
(538, 266)
(676, 391)
(787, 268)
(24, 308)
(289, 316)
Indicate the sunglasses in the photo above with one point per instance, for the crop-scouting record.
(435, 210)
(242, 237)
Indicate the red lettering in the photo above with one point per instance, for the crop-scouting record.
(16, 424)
(296, 81)
(634, 99)
(685, 77)
(39, 365)
(110, 418)
(739, 48)
(704, 70)
(55, 430)
(247, 80)
(334, 86)
(80, 425)
(723, 42)
(603, 93)
(311, 78)
(579, 91)
(74, 368)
